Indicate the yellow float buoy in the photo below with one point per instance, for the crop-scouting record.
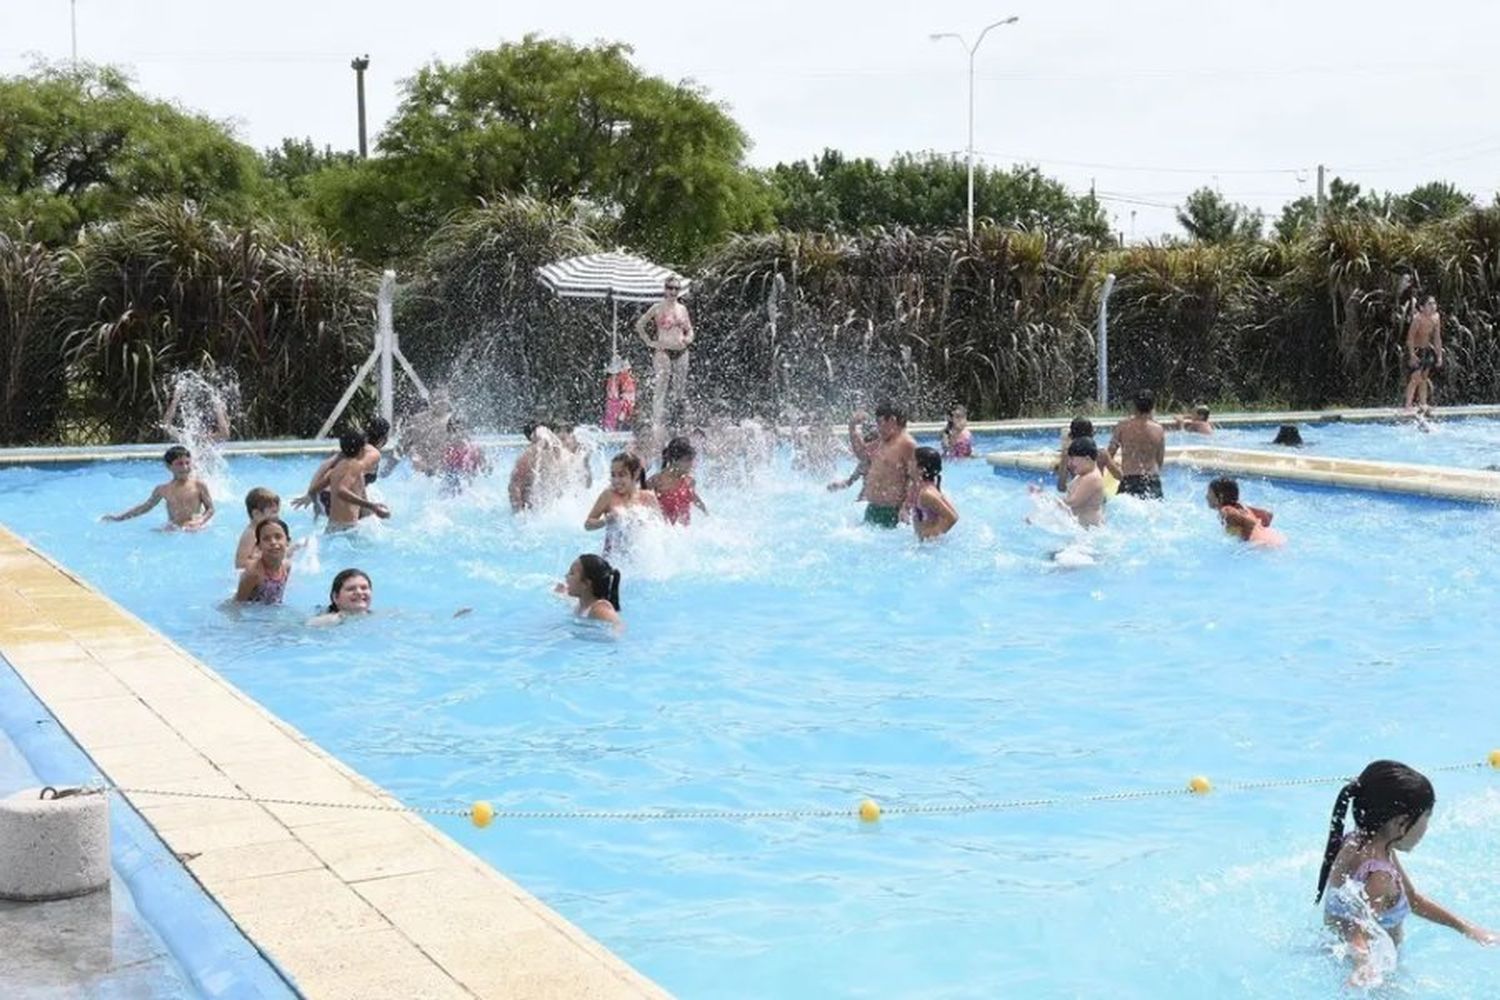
(1495, 759)
(1199, 785)
(482, 813)
(869, 810)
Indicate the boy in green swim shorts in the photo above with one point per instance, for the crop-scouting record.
(892, 457)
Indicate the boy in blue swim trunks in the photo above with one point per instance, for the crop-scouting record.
(892, 458)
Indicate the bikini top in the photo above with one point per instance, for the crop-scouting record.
(1344, 904)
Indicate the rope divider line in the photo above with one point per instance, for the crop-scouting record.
(481, 813)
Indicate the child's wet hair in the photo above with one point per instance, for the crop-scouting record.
(272, 520)
(895, 411)
(930, 464)
(1384, 791)
(601, 577)
(260, 498)
(174, 453)
(1288, 435)
(1083, 447)
(1145, 401)
(632, 465)
(377, 431)
(351, 444)
(1081, 427)
(1226, 491)
(679, 449)
(344, 575)
(1202, 412)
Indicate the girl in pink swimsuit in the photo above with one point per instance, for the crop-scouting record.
(264, 580)
(674, 486)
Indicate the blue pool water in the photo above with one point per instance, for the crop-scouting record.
(780, 656)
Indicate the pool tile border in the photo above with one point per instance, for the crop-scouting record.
(350, 904)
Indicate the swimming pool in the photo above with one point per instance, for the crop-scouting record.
(781, 657)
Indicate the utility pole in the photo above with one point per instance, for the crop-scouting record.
(1320, 191)
(73, 13)
(359, 65)
(971, 49)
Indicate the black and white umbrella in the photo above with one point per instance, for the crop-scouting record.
(616, 276)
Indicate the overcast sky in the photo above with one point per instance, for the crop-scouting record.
(1147, 99)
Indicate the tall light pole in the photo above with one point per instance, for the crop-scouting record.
(73, 16)
(359, 65)
(971, 49)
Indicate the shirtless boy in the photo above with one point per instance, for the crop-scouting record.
(1197, 423)
(189, 505)
(1424, 352)
(893, 463)
(1084, 498)
(1141, 444)
(346, 487)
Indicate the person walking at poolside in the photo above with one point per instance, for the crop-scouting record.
(667, 329)
(1141, 443)
(893, 466)
(1364, 890)
(626, 493)
(189, 504)
(264, 580)
(1424, 353)
(932, 513)
(350, 596)
(1249, 524)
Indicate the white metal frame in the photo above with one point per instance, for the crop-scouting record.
(387, 352)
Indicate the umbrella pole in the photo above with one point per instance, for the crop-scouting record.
(614, 330)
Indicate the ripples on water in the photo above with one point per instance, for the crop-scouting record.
(780, 655)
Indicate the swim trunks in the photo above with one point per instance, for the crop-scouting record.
(882, 516)
(1426, 359)
(1145, 487)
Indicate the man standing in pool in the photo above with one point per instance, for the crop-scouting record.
(893, 463)
(1142, 445)
(674, 335)
(1424, 353)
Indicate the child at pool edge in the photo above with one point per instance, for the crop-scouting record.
(627, 489)
(958, 440)
(932, 513)
(1361, 882)
(351, 594)
(189, 505)
(676, 490)
(1084, 498)
(261, 504)
(1251, 524)
(596, 585)
(264, 580)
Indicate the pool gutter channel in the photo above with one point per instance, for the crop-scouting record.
(302, 447)
(363, 904)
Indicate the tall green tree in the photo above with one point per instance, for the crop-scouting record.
(559, 122)
(1209, 217)
(77, 146)
(923, 191)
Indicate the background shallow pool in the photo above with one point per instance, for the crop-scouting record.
(781, 656)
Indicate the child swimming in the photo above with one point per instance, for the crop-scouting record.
(189, 505)
(674, 486)
(1361, 883)
(1084, 498)
(260, 504)
(932, 513)
(627, 491)
(264, 580)
(350, 596)
(596, 585)
(1250, 524)
(958, 440)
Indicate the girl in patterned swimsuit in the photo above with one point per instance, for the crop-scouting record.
(1361, 885)
(674, 486)
(264, 580)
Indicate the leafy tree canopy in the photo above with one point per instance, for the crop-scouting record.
(1430, 202)
(558, 122)
(1209, 217)
(922, 191)
(77, 146)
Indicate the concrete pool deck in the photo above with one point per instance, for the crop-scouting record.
(356, 904)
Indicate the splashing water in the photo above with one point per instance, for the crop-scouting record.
(199, 409)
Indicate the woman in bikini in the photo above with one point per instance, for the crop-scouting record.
(932, 514)
(672, 328)
(627, 491)
(1361, 884)
(264, 580)
(676, 490)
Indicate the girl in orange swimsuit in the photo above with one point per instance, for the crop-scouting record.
(674, 486)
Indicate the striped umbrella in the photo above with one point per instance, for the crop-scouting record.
(616, 276)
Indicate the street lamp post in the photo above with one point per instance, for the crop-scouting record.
(971, 49)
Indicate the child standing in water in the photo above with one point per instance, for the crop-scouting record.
(958, 440)
(260, 504)
(189, 505)
(1084, 498)
(1250, 524)
(596, 586)
(264, 580)
(676, 490)
(932, 514)
(1361, 884)
(627, 491)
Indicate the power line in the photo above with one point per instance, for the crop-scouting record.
(1143, 169)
